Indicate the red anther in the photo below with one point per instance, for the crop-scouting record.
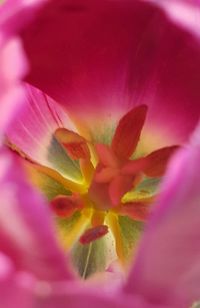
(75, 145)
(93, 234)
(77, 150)
(65, 206)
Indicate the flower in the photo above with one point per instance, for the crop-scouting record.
(112, 108)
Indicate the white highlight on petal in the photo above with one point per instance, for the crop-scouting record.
(6, 266)
(186, 14)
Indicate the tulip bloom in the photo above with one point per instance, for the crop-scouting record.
(114, 104)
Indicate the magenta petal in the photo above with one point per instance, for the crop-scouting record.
(110, 56)
(27, 233)
(32, 131)
(167, 265)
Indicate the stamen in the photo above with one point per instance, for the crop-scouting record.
(93, 234)
(77, 150)
(66, 206)
(75, 145)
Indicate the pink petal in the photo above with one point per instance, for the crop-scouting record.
(111, 56)
(27, 234)
(94, 294)
(32, 132)
(167, 265)
(12, 67)
(15, 288)
(77, 297)
(15, 14)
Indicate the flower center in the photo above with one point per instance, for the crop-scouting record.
(112, 197)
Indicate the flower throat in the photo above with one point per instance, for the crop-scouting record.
(111, 199)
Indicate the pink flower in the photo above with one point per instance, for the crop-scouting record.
(118, 95)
